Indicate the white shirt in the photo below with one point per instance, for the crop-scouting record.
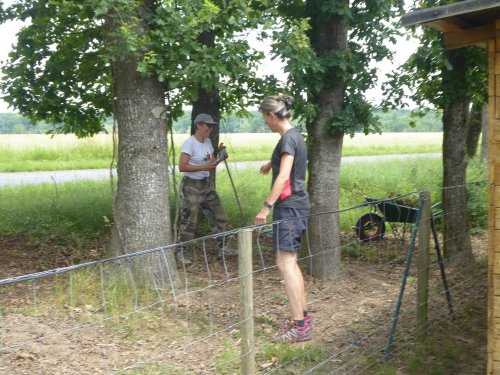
(199, 154)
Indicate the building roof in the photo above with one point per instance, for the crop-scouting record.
(468, 22)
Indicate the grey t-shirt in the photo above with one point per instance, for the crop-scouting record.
(292, 142)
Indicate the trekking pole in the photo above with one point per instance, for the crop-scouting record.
(243, 218)
(223, 156)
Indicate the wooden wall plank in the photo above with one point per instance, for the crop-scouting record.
(493, 360)
(496, 178)
(496, 355)
(497, 64)
(496, 129)
(469, 37)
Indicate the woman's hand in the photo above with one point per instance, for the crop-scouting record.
(265, 168)
(212, 164)
(184, 165)
(261, 217)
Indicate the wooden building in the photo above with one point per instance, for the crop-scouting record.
(466, 23)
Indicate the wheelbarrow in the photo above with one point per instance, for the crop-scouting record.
(371, 226)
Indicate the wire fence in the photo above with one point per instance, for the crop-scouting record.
(100, 318)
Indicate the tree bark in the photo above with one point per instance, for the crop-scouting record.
(325, 150)
(324, 171)
(141, 207)
(484, 130)
(474, 126)
(457, 245)
(208, 100)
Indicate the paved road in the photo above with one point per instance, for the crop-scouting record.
(21, 178)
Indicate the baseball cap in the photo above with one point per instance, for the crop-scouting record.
(204, 118)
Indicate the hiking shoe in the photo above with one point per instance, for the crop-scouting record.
(294, 334)
(225, 251)
(287, 323)
(182, 257)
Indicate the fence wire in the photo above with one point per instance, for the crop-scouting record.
(99, 317)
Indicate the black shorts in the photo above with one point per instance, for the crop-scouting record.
(287, 235)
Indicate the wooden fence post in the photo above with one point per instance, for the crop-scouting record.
(423, 265)
(246, 302)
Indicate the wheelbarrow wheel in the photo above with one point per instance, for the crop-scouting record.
(370, 227)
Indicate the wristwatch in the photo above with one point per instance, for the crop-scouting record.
(267, 204)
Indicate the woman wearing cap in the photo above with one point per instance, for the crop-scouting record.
(197, 190)
(291, 204)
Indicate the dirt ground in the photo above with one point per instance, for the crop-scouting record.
(197, 331)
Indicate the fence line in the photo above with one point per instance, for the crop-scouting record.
(185, 328)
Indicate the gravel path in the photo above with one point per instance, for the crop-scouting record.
(22, 178)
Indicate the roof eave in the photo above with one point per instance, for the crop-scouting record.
(428, 15)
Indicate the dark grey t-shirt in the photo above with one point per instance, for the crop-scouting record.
(292, 142)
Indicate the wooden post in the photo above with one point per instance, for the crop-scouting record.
(493, 202)
(246, 302)
(423, 265)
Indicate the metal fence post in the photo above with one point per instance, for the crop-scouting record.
(246, 302)
(395, 318)
(424, 227)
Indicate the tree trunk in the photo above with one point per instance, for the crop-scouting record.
(208, 100)
(325, 150)
(324, 171)
(457, 245)
(141, 207)
(474, 129)
(484, 131)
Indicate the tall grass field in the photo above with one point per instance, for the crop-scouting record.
(38, 152)
(80, 212)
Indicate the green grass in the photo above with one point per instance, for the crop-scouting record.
(380, 179)
(434, 357)
(384, 369)
(58, 211)
(37, 152)
(114, 295)
(392, 143)
(228, 362)
(76, 213)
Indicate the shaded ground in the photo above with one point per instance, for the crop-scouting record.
(47, 331)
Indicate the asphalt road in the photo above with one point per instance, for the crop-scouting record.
(23, 178)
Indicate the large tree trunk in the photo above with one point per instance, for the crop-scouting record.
(474, 126)
(141, 207)
(325, 150)
(457, 245)
(484, 131)
(208, 100)
(324, 171)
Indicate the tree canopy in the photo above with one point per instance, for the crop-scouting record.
(420, 78)
(370, 32)
(59, 71)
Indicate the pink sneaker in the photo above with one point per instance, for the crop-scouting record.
(288, 323)
(294, 334)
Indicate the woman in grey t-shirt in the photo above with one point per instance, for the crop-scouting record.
(291, 211)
